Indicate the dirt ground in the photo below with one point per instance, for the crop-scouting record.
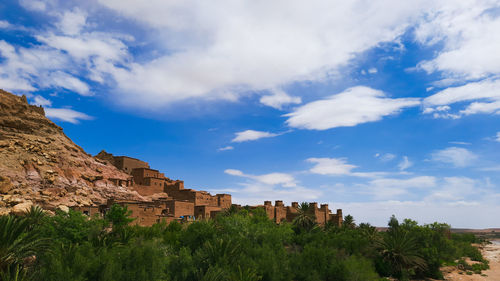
(492, 253)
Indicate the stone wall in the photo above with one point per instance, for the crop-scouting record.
(128, 164)
(280, 213)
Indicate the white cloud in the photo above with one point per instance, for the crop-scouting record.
(225, 148)
(207, 50)
(4, 24)
(386, 157)
(490, 169)
(286, 180)
(330, 166)
(39, 100)
(457, 156)
(255, 194)
(498, 137)
(234, 172)
(352, 107)
(372, 70)
(66, 114)
(460, 142)
(469, 58)
(460, 214)
(468, 30)
(389, 188)
(25, 69)
(72, 22)
(67, 81)
(251, 135)
(405, 163)
(338, 167)
(283, 179)
(486, 89)
(34, 5)
(278, 99)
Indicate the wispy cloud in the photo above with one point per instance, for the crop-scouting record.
(251, 135)
(405, 163)
(352, 107)
(4, 24)
(385, 157)
(338, 167)
(225, 148)
(457, 156)
(41, 101)
(279, 98)
(282, 179)
(67, 115)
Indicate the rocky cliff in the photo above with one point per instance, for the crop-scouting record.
(40, 165)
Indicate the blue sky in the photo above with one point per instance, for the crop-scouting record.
(377, 107)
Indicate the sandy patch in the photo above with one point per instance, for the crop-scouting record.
(492, 253)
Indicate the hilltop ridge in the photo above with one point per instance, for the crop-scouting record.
(40, 165)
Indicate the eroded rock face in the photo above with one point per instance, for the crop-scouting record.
(5, 184)
(21, 208)
(41, 165)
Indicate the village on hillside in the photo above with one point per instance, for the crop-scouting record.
(171, 201)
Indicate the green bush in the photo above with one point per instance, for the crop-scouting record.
(236, 245)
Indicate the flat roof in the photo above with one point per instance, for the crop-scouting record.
(129, 158)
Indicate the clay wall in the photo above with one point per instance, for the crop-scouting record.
(224, 200)
(144, 214)
(279, 211)
(120, 182)
(88, 210)
(205, 198)
(337, 219)
(140, 174)
(179, 208)
(174, 187)
(291, 212)
(269, 209)
(160, 183)
(147, 190)
(205, 212)
(127, 164)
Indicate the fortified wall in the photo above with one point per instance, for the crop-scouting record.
(171, 201)
(280, 213)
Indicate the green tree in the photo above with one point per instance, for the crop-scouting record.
(401, 251)
(305, 219)
(17, 243)
(119, 216)
(349, 222)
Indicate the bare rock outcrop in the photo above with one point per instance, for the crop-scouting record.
(40, 165)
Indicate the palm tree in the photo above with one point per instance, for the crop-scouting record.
(305, 219)
(349, 222)
(35, 216)
(400, 250)
(17, 243)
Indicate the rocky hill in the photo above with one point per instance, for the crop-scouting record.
(40, 165)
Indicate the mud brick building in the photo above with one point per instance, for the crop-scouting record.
(169, 200)
(280, 213)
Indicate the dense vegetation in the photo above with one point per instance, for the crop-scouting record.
(237, 245)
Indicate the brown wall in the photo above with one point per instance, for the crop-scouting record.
(140, 174)
(88, 210)
(205, 212)
(224, 201)
(145, 215)
(146, 190)
(179, 208)
(127, 164)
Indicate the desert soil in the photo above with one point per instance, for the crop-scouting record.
(492, 253)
